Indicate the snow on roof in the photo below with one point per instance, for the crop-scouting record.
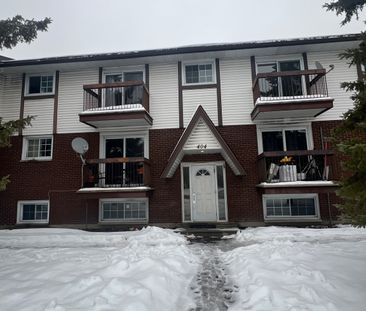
(211, 47)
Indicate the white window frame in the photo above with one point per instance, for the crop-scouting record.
(26, 91)
(199, 62)
(291, 196)
(124, 200)
(25, 148)
(283, 59)
(189, 165)
(121, 71)
(271, 128)
(36, 221)
(135, 134)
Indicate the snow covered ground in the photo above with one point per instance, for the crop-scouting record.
(62, 269)
(299, 269)
(272, 268)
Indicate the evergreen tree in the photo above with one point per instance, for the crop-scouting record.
(17, 29)
(12, 32)
(353, 185)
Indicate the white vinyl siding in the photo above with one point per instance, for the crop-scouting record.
(207, 98)
(42, 111)
(236, 91)
(164, 107)
(70, 101)
(341, 73)
(202, 135)
(11, 90)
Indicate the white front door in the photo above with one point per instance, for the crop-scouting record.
(204, 203)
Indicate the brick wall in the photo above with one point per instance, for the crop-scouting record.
(60, 178)
(40, 180)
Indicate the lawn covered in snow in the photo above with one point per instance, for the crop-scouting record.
(299, 269)
(264, 269)
(63, 269)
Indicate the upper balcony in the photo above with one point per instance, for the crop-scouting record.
(116, 104)
(290, 94)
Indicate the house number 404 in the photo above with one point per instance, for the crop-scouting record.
(202, 146)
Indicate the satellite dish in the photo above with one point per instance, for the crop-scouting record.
(80, 145)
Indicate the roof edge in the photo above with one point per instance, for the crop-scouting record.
(182, 50)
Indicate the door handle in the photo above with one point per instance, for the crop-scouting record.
(194, 198)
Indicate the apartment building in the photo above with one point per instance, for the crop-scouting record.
(225, 134)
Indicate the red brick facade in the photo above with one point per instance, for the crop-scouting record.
(59, 179)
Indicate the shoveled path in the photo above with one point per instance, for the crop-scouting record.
(213, 289)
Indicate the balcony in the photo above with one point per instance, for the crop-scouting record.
(290, 94)
(299, 168)
(116, 104)
(132, 173)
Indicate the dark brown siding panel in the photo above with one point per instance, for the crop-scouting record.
(55, 102)
(252, 65)
(21, 111)
(218, 82)
(180, 94)
(100, 75)
(147, 76)
(305, 59)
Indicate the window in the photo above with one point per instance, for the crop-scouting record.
(33, 211)
(119, 96)
(121, 173)
(291, 206)
(40, 84)
(37, 148)
(123, 210)
(203, 172)
(202, 73)
(284, 140)
(280, 86)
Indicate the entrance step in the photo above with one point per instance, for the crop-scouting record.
(208, 233)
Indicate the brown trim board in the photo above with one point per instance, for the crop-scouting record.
(147, 76)
(218, 91)
(253, 69)
(55, 102)
(21, 110)
(180, 95)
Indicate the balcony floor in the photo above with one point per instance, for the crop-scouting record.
(294, 107)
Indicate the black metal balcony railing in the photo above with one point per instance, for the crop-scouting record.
(116, 96)
(289, 85)
(304, 165)
(117, 172)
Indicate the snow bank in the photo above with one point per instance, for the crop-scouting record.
(299, 269)
(61, 269)
(265, 234)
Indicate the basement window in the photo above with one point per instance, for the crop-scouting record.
(33, 212)
(290, 206)
(121, 210)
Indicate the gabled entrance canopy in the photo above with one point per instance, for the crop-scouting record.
(201, 136)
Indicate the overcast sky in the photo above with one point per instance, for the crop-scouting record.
(97, 26)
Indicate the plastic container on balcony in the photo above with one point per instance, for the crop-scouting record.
(288, 173)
